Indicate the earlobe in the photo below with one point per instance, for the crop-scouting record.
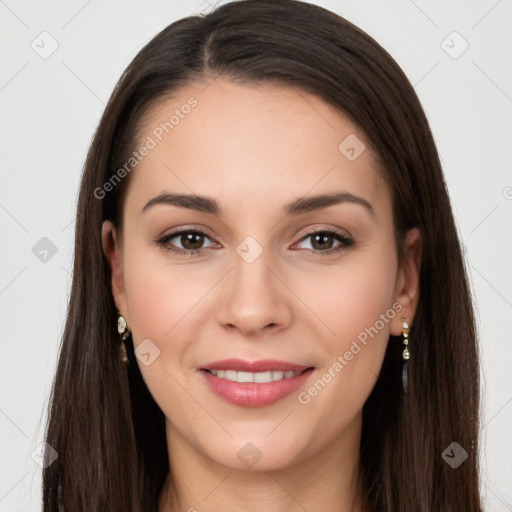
(112, 251)
(407, 284)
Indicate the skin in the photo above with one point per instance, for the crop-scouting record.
(255, 148)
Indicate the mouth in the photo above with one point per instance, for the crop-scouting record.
(262, 371)
(254, 384)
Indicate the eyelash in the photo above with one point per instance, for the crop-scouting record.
(346, 242)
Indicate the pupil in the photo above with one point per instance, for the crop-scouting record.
(187, 240)
(322, 239)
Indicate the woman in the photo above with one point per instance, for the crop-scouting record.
(269, 307)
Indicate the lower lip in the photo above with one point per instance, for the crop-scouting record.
(252, 394)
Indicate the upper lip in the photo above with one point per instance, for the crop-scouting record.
(263, 365)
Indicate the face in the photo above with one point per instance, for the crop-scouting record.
(258, 271)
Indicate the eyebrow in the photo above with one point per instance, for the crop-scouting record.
(301, 205)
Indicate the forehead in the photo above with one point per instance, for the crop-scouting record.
(252, 142)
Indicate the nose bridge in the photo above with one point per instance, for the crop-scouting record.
(251, 266)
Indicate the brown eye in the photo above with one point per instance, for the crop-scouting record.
(323, 242)
(191, 241)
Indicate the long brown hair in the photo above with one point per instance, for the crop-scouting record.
(103, 422)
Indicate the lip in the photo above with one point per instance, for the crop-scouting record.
(263, 365)
(253, 394)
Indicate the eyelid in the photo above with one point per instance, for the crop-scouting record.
(324, 229)
(198, 228)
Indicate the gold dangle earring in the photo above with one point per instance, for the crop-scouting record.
(124, 333)
(405, 353)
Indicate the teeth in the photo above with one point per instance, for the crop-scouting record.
(261, 377)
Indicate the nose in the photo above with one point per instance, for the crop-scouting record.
(254, 298)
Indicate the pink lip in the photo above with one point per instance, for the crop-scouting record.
(264, 365)
(253, 394)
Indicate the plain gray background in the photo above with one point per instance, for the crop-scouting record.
(50, 107)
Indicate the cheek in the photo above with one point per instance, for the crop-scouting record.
(163, 301)
(355, 303)
(161, 295)
(351, 297)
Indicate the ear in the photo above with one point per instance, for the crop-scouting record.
(113, 252)
(407, 284)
